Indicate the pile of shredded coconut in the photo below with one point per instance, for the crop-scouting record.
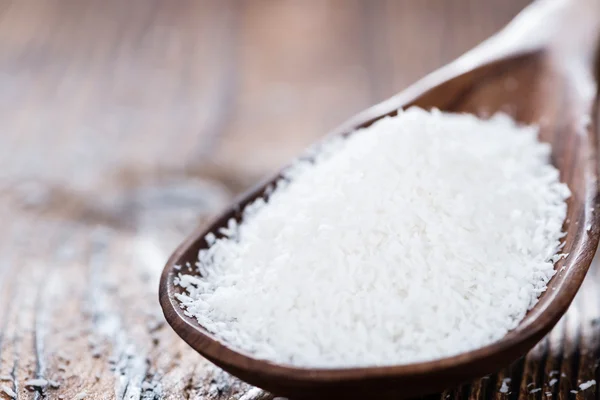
(423, 236)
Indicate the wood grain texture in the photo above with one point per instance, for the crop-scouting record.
(127, 124)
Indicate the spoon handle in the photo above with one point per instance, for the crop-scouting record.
(574, 46)
(570, 26)
(567, 31)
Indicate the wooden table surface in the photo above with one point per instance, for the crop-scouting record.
(125, 124)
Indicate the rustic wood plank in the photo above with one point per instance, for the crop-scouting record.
(126, 124)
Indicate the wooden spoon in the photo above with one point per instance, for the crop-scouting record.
(542, 68)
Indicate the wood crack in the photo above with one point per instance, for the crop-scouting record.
(129, 362)
(38, 332)
(4, 326)
(13, 371)
(151, 388)
(188, 388)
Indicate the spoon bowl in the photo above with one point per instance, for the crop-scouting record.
(541, 69)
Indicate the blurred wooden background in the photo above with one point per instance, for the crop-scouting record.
(124, 124)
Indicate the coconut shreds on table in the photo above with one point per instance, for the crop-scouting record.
(37, 382)
(587, 385)
(504, 388)
(8, 391)
(423, 236)
(81, 396)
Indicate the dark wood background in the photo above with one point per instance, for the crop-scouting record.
(125, 124)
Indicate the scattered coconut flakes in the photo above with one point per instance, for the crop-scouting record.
(251, 394)
(38, 382)
(80, 396)
(563, 375)
(587, 385)
(408, 281)
(535, 390)
(6, 378)
(8, 391)
(504, 388)
(552, 382)
(548, 394)
(53, 384)
(573, 391)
